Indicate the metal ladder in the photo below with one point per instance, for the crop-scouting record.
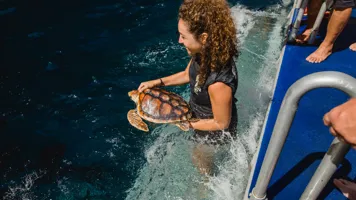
(337, 149)
(299, 8)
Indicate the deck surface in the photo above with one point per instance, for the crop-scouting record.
(308, 139)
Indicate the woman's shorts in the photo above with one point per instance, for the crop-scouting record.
(344, 4)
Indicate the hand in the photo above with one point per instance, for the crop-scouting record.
(148, 84)
(347, 188)
(342, 121)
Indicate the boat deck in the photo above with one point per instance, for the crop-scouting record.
(308, 139)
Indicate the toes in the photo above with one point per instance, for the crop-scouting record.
(346, 182)
(315, 58)
(339, 183)
(311, 59)
(353, 47)
(319, 60)
(343, 182)
(344, 186)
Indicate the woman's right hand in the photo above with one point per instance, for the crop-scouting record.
(148, 84)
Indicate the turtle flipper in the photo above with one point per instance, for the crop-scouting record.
(183, 125)
(136, 121)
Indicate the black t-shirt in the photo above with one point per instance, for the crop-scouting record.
(200, 100)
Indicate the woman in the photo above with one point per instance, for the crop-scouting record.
(207, 31)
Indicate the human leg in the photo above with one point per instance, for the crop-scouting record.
(313, 10)
(338, 20)
(202, 158)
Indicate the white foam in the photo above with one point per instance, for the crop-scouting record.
(244, 21)
(24, 190)
(169, 172)
(153, 55)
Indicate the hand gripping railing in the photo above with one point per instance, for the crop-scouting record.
(299, 8)
(284, 120)
(326, 4)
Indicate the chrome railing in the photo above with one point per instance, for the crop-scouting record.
(299, 8)
(337, 150)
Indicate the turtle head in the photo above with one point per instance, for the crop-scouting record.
(134, 95)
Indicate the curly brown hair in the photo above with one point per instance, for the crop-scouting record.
(214, 18)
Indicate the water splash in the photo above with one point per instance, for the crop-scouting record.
(24, 190)
(169, 172)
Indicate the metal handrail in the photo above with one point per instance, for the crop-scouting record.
(326, 169)
(326, 4)
(299, 8)
(328, 79)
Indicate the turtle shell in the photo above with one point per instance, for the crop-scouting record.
(160, 106)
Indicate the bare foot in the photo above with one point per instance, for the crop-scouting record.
(347, 188)
(320, 54)
(353, 47)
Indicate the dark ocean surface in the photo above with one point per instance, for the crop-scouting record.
(65, 70)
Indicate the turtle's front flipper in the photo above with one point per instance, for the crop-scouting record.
(183, 125)
(136, 121)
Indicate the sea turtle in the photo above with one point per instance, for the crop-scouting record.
(158, 106)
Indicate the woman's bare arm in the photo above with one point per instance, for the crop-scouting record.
(179, 78)
(221, 100)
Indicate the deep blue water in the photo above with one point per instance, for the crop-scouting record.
(65, 70)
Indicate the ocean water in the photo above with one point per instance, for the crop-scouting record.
(65, 70)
